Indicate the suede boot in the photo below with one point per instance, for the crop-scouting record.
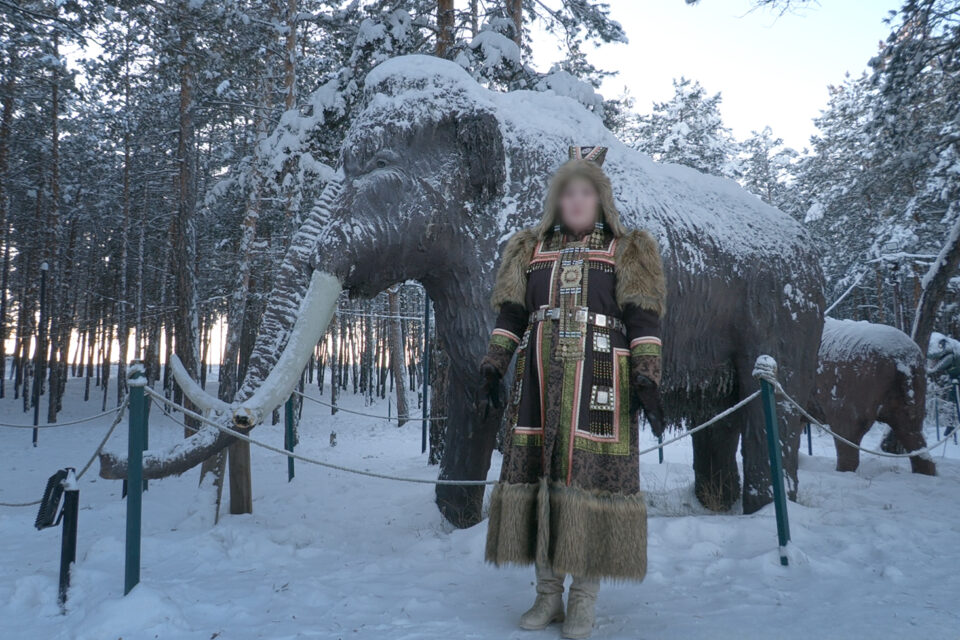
(548, 607)
(580, 608)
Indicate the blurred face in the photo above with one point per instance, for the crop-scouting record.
(579, 205)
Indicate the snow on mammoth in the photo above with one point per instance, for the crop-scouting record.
(436, 173)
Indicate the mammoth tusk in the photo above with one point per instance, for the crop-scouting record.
(192, 389)
(319, 303)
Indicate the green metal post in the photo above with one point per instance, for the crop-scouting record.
(769, 399)
(137, 380)
(288, 437)
(146, 430)
(660, 450)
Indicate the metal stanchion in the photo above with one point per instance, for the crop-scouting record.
(426, 371)
(288, 435)
(767, 366)
(62, 484)
(137, 380)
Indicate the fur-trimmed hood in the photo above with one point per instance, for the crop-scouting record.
(592, 172)
(639, 269)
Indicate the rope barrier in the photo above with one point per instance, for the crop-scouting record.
(161, 401)
(156, 396)
(297, 456)
(103, 442)
(709, 423)
(387, 316)
(359, 413)
(51, 425)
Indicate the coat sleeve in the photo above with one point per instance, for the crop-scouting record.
(641, 295)
(509, 299)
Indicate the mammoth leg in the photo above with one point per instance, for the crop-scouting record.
(909, 434)
(757, 490)
(717, 479)
(848, 458)
(757, 483)
(796, 372)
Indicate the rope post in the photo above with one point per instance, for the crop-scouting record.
(426, 371)
(68, 543)
(809, 439)
(765, 370)
(136, 381)
(660, 448)
(956, 401)
(288, 436)
(61, 485)
(936, 414)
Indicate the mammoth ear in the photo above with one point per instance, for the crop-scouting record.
(478, 134)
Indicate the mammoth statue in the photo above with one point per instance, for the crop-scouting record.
(872, 373)
(437, 172)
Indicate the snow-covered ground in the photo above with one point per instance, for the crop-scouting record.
(875, 554)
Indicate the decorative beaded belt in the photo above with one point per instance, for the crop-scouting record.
(580, 314)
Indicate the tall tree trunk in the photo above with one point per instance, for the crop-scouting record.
(334, 363)
(241, 484)
(55, 279)
(186, 323)
(445, 26)
(123, 326)
(288, 186)
(515, 12)
(397, 356)
(60, 345)
(934, 287)
(6, 120)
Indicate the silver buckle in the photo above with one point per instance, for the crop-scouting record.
(600, 320)
(581, 315)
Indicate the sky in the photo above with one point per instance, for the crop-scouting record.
(771, 69)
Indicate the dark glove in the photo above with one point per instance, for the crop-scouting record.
(491, 390)
(648, 395)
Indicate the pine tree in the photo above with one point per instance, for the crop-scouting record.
(766, 167)
(688, 129)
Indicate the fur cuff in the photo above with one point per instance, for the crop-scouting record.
(511, 283)
(592, 534)
(639, 271)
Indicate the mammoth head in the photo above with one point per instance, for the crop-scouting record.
(405, 187)
(420, 165)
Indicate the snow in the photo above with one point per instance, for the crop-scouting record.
(496, 48)
(331, 555)
(564, 83)
(847, 340)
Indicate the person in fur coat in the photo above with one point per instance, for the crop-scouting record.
(579, 301)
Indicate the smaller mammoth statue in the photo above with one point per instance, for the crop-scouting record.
(871, 373)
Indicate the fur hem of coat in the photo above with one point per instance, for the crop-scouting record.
(639, 272)
(511, 283)
(591, 534)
